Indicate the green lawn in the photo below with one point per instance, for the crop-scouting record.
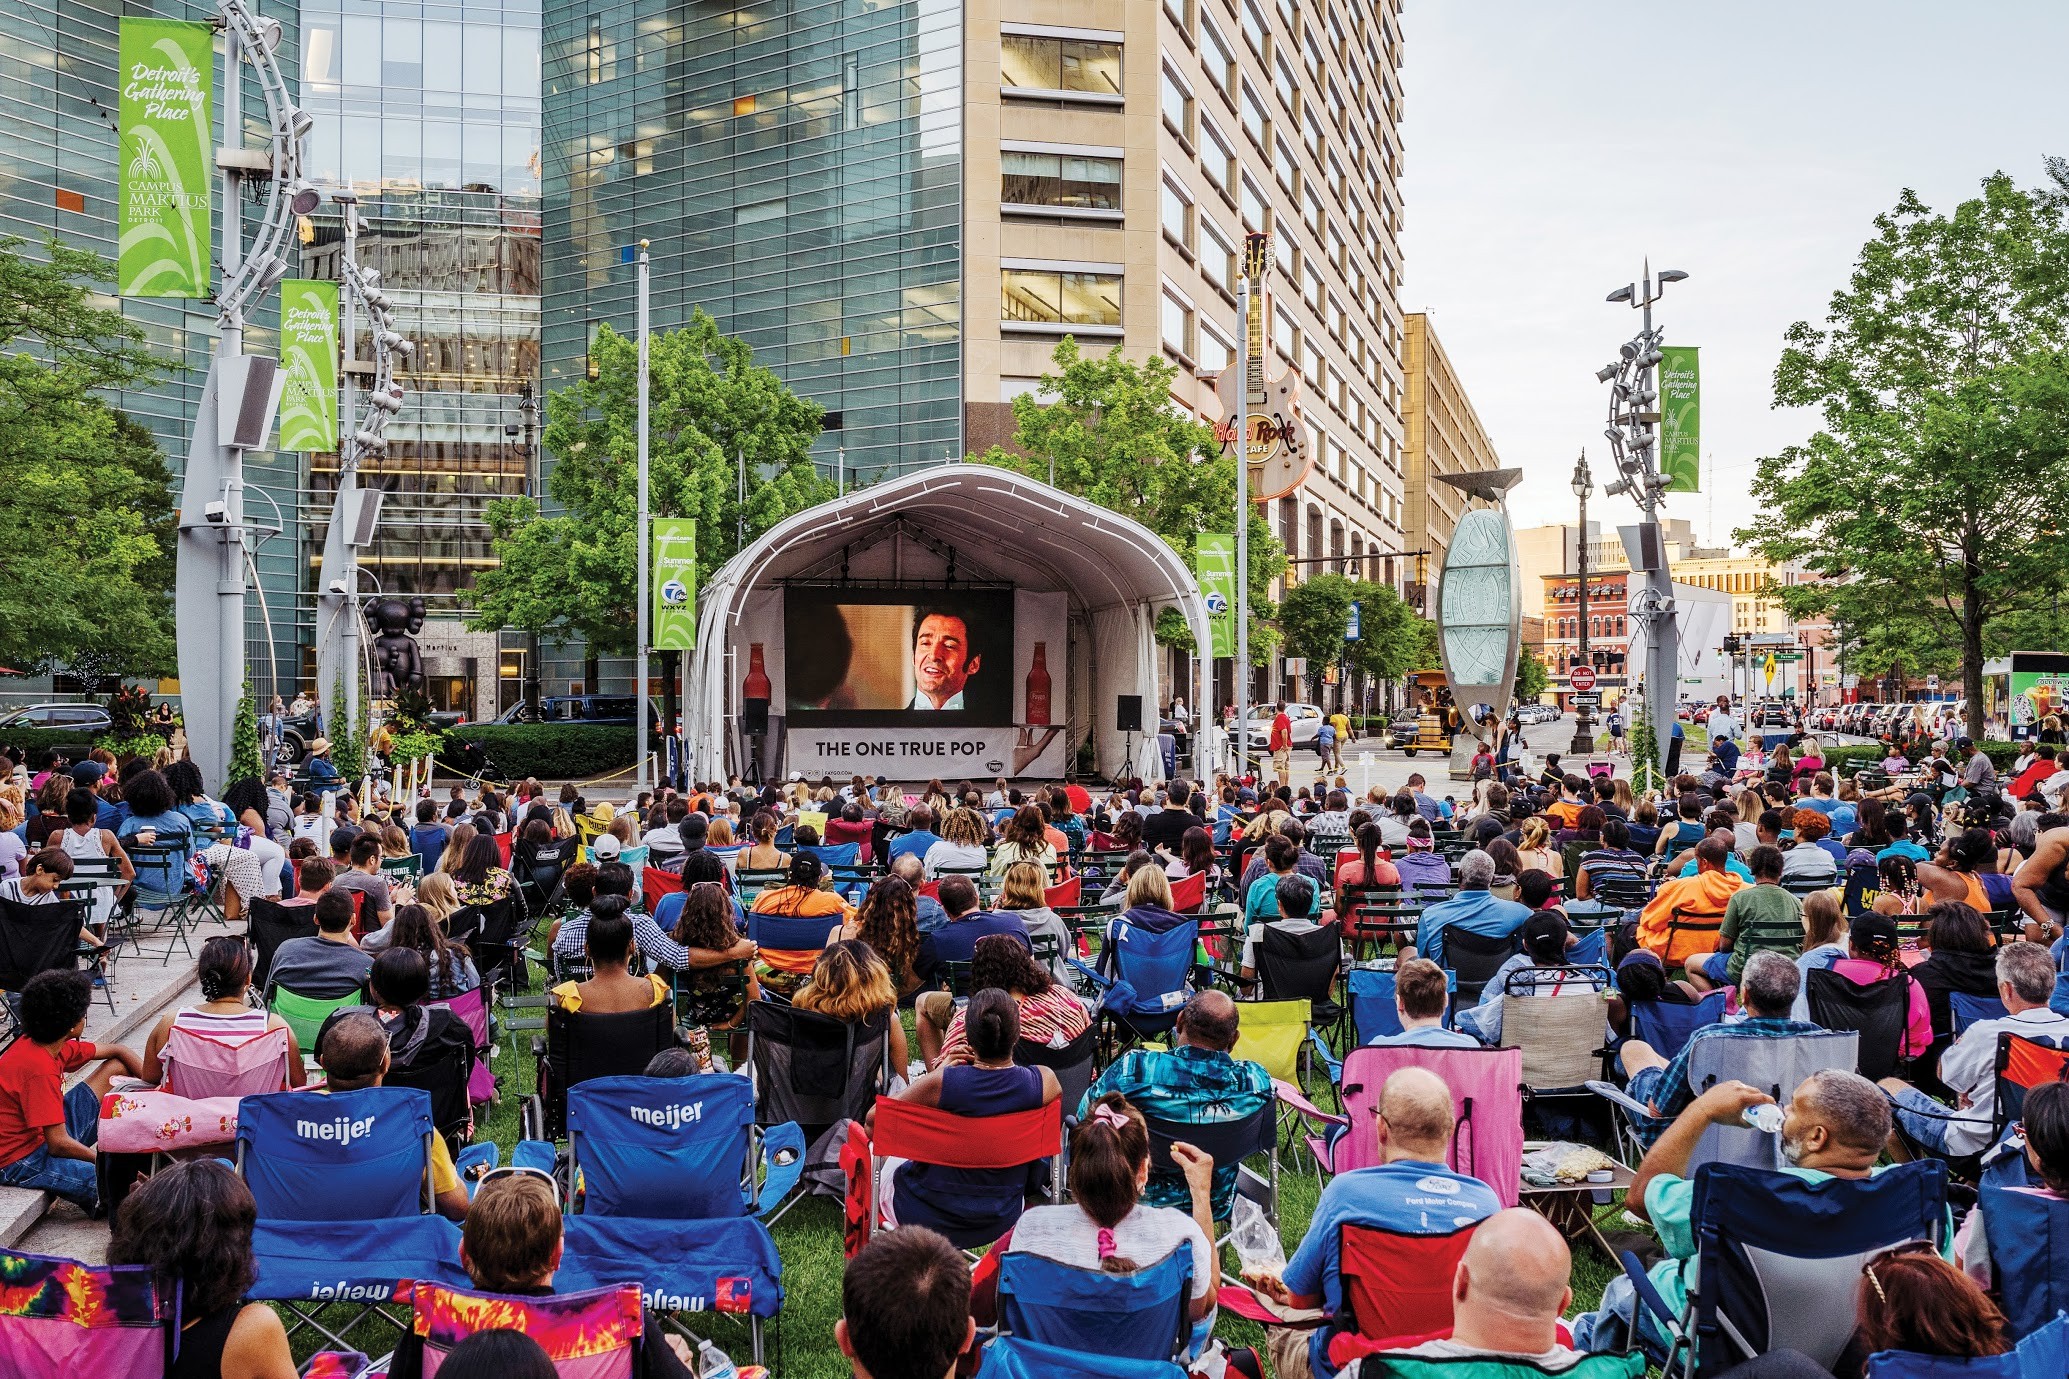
(809, 1238)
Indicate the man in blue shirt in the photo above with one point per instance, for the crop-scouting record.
(1411, 1193)
(919, 821)
(87, 776)
(429, 837)
(1474, 909)
(1421, 991)
(956, 940)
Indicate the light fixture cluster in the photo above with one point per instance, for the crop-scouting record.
(289, 194)
(1634, 413)
(384, 395)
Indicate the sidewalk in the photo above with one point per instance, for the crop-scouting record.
(144, 988)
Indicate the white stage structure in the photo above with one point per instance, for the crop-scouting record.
(946, 527)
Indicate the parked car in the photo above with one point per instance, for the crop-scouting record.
(84, 718)
(581, 711)
(1306, 720)
(1401, 732)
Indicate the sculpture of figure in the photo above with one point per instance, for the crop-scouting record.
(397, 663)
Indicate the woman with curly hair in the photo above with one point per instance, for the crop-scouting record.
(1050, 1012)
(192, 1224)
(962, 844)
(1026, 839)
(850, 983)
(888, 921)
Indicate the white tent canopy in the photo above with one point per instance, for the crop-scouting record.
(993, 525)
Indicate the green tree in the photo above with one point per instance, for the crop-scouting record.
(572, 574)
(1934, 499)
(1102, 427)
(1314, 619)
(244, 737)
(348, 738)
(1531, 678)
(85, 506)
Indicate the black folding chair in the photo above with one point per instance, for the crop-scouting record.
(580, 1045)
(268, 924)
(1476, 958)
(1293, 967)
(39, 938)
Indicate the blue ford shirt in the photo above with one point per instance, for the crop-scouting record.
(1406, 1197)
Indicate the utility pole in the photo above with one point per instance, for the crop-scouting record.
(1583, 721)
(1257, 251)
(639, 635)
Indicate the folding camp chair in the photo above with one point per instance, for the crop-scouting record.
(1389, 923)
(207, 1065)
(1373, 1011)
(1879, 1011)
(581, 1045)
(1072, 1063)
(343, 1187)
(305, 1014)
(1486, 1099)
(164, 885)
(2042, 1355)
(1189, 894)
(2028, 1234)
(1395, 1283)
(1561, 1036)
(1967, 1009)
(1273, 1034)
(1146, 978)
(1776, 1065)
(1476, 958)
(1292, 967)
(789, 945)
(1778, 1259)
(673, 1172)
(595, 1333)
(941, 1139)
(1690, 933)
(1010, 1357)
(1667, 1026)
(813, 1069)
(40, 938)
(2022, 1063)
(490, 933)
(1226, 1141)
(58, 1316)
(1132, 1316)
(269, 924)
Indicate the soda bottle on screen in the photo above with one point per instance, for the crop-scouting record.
(1038, 687)
(756, 685)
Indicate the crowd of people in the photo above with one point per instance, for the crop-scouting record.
(955, 914)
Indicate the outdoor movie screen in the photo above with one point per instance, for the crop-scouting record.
(901, 657)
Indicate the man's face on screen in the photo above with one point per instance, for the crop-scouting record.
(941, 659)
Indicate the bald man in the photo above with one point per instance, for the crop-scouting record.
(1411, 1193)
(1510, 1290)
(1835, 1126)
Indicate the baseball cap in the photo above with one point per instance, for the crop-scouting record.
(88, 772)
(1963, 743)
(605, 847)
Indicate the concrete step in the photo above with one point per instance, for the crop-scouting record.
(20, 1209)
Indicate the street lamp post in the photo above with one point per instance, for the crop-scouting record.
(1583, 721)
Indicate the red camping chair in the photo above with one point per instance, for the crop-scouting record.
(1189, 895)
(503, 842)
(930, 1135)
(655, 883)
(1065, 893)
(930, 889)
(2023, 1064)
(1395, 1286)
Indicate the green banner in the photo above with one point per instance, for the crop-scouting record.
(309, 359)
(1214, 560)
(1681, 458)
(168, 163)
(675, 584)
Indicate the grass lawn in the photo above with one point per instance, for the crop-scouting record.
(809, 1239)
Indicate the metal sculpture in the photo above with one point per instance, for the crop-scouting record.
(1480, 611)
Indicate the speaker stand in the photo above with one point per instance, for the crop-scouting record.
(754, 760)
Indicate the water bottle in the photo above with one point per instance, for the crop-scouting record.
(713, 1363)
(1766, 1118)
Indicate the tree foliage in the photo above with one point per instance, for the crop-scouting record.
(244, 738)
(1314, 619)
(1934, 498)
(573, 573)
(86, 523)
(1532, 680)
(1102, 427)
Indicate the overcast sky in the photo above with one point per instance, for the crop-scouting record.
(1551, 147)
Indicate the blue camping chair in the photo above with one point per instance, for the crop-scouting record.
(1138, 1316)
(669, 1170)
(1668, 1026)
(2042, 1355)
(1591, 948)
(343, 1188)
(1779, 1259)
(1146, 981)
(2029, 1252)
(1010, 1357)
(1967, 1009)
(1373, 1012)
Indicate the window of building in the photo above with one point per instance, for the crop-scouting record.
(1175, 214)
(1062, 180)
(1254, 30)
(1217, 352)
(1252, 204)
(1283, 167)
(1286, 12)
(1334, 100)
(1043, 297)
(1337, 253)
(1177, 105)
(1286, 258)
(1311, 209)
(1035, 62)
(1311, 283)
(1215, 57)
(1255, 123)
(1311, 361)
(1218, 258)
(1177, 324)
(1176, 9)
(1285, 334)
(1333, 172)
(1217, 157)
(1284, 85)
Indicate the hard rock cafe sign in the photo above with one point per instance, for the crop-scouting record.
(1275, 443)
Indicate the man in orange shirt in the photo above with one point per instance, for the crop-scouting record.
(1684, 918)
(1566, 809)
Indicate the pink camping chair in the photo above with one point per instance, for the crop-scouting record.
(1486, 1096)
(58, 1316)
(198, 1066)
(474, 1013)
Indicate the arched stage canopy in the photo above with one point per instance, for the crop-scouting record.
(962, 523)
